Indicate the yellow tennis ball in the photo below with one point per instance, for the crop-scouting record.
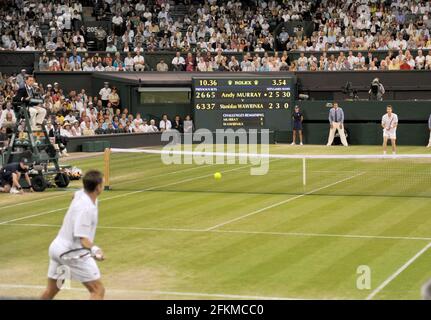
(217, 175)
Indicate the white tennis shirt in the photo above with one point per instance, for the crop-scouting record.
(388, 122)
(80, 221)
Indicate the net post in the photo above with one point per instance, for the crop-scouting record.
(304, 172)
(107, 165)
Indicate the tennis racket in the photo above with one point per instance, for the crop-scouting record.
(76, 254)
(390, 125)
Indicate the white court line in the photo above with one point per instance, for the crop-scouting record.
(156, 292)
(397, 273)
(127, 194)
(283, 202)
(63, 193)
(334, 235)
(270, 233)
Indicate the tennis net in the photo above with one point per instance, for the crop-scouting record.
(403, 175)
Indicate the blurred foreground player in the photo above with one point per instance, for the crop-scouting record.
(78, 231)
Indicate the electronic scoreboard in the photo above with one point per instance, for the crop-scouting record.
(243, 102)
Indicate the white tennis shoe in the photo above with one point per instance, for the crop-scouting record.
(14, 191)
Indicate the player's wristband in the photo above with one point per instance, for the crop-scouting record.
(94, 250)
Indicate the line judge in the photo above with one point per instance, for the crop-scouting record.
(336, 121)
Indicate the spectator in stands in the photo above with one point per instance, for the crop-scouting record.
(43, 62)
(142, 127)
(165, 124)
(111, 47)
(152, 126)
(189, 62)
(234, 64)
(75, 57)
(99, 67)
(81, 47)
(70, 117)
(88, 127)
(177, 124)
(178, 62)
(162, 66)
(202, 65)
(123, 119)
(54, 64)
(118, 63)
(188, 124)
(117, 22)
(420, 60)
(404, 65)
(66, 130)
(7, 119)
(129, 62)
(138, 61)
(109, 67)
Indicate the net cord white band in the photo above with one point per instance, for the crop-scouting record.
(275, 156)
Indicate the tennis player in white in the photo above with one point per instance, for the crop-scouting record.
(389, 125)
(78, 231)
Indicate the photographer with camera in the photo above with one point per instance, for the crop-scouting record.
(376, 91)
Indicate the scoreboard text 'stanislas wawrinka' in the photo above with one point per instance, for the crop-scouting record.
(250, 103)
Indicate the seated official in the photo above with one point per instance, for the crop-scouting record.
(24, 94)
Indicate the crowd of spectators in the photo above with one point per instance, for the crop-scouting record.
(73, 114)
(213, 25)
(212, 29)
(249, 62)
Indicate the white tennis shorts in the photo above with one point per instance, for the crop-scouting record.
(390, 134)
(82, 270)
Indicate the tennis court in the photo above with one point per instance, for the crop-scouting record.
(173, 232)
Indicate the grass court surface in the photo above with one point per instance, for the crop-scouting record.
(174, 232)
